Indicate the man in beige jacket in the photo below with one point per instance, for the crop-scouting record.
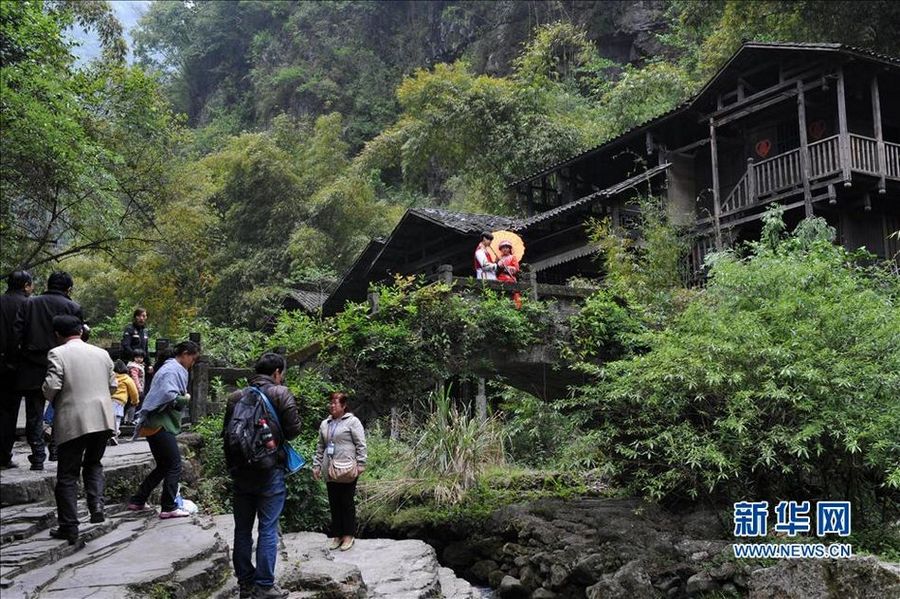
(79, 381)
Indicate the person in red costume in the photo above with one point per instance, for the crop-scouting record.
(508, 268)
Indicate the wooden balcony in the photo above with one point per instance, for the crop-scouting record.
(781, 176)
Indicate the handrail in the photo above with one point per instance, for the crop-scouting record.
(739, 195)
(892, 157)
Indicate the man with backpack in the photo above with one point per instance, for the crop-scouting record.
(259, 420)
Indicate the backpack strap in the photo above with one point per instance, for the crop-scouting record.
(269, 407)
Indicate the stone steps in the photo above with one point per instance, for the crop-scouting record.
(137, 554)
(131, 553)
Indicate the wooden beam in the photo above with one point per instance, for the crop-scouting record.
(751, 99)
(804, 149)
(781, 97)
(879, 137)
(690, 146)
(844, 140)
(717, 209)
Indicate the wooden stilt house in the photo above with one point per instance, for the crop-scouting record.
(813, 127)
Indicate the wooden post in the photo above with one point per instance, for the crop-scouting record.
(395, 423)
(751, 181)
(879, 137)
(199, 385)
(530, 278)
(481, 401)
(373, 302)
(844, 134)
(445, 274)
(804, 150)
(717, 209)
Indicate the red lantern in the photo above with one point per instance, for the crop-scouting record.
(763, 147)
(816, 130)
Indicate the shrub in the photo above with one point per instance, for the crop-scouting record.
(780, 381)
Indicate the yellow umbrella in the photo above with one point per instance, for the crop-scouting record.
(518, 246)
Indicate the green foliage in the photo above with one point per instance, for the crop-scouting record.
(605, 328)
(781, 380)
(421, 335)
(641, 94)
(650, 276)
(537, 430)
(708, 31)
(231, 346)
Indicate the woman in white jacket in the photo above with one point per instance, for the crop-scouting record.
(341, 455)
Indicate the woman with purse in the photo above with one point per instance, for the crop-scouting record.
(341, 455)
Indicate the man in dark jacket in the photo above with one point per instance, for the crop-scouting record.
(135, 335)
(260, 493)
(34, 331)
(19, 286)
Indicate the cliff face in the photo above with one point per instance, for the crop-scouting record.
(624, 32)
(258, 60)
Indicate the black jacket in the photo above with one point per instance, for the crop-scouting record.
(10, 302)
(34, 332)
(134, 338)
(285, 406)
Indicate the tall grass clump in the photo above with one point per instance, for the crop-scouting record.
(455, 447)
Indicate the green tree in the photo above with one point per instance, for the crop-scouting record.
(82, 149)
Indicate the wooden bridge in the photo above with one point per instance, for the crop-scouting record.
(537, 371)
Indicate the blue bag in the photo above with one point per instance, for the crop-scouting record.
(293, 460)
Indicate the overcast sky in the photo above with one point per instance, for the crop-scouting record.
(128, 12)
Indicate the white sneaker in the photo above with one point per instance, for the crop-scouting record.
(176, 513)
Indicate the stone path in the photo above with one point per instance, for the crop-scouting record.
(138, 555)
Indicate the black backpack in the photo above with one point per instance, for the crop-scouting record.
(246, 437)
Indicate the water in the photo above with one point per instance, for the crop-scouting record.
(484, 592)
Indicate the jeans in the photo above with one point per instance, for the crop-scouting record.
(257, 497)
(165, 451)
(81, 455)
(343, 508)
(34, 424)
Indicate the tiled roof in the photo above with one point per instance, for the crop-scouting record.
(821, 47)
(308, 300)
(465, 222)
(604, 193)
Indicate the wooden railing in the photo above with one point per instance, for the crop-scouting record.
(739, 196)
(777, 172)
(892, 157)
(825, 157)
(864, 154)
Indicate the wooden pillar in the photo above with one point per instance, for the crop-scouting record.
(717, 208)
(481, 401)
(844, 134)
(804, 150)
(751, 181)
(199, 385)
(879, 137)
